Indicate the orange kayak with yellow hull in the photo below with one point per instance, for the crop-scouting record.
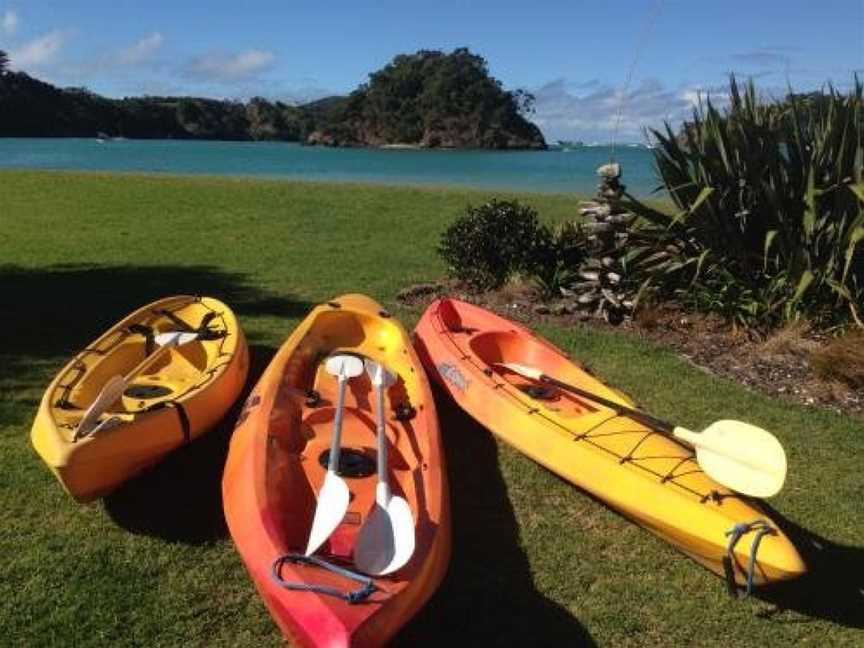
(277, 463)
(649, 477)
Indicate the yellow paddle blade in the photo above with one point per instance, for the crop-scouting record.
(741, 456)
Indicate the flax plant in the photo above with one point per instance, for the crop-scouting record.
(769, 225)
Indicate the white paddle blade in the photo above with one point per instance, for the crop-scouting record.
(741, 456)
(111, 391)
(379, 374)
(386, 541)
(345, 365)
(402, 521)
(175, 338)
(375, 546)
(332, 504)
(523, 370)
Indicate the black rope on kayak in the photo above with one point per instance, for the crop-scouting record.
(671, 474)
(629, 456)
(185, 426)
(356, 596)
(715, 496)
(203, 331)
(63, 402)
(139, 328)
(149, 336)
(761, 529)
(584, 435)
(176, 319)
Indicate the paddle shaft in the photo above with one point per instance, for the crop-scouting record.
(336, 445)
(739, 456)
(146, 362)
(382, 435)
(91, 416)
(646, 419)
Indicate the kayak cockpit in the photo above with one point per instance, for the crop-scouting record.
(301, 424)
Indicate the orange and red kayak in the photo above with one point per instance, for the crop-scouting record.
(276, 468)
(649, 477)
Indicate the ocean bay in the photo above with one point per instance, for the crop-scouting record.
(552, 171)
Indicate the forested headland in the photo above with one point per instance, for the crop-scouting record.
(427, 99)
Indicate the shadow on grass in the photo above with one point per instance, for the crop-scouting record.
(54, 311)
(488, 596)
(832, 590)
(51, 313)
(180, 498)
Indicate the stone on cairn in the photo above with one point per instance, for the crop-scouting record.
(602, 286)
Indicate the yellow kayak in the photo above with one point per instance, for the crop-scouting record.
(649, 477)
(156, 380)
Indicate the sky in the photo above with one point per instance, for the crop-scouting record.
(575, 56)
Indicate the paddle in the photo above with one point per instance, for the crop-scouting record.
(386, 541)
(116, 385)
(334, 496)
(738, 455)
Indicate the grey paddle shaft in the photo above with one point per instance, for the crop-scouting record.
(646, 419)
(336, 446)
(382, 435)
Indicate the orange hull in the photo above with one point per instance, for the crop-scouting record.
(274, 471)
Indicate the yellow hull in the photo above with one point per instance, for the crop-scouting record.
(650, 478)
(184, 392)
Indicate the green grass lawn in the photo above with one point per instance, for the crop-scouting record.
(535, 561)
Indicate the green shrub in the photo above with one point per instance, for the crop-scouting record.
(490, 243)
(558, 259)
(770, 208)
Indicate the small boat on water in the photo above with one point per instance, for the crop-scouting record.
(156, 380)
(321, 398)
(569, 145)
(482, 361)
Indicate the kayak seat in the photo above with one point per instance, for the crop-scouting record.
(508, 346)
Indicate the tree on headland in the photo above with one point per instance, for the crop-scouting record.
(4, 62)
(435, 98)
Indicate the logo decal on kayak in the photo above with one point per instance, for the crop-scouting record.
(452, 375)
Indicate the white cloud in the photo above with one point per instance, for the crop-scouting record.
(39, 51)
(589, 111)
(140, 51)
(9, 22)
(224, 68)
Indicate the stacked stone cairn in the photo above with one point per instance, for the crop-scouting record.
(601, 287)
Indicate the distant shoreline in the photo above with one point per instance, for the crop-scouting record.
(398, 146)
(263, 179)
(506, 171)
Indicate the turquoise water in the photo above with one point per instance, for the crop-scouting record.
(544, 171)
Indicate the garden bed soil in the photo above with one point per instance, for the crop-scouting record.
(778, 364)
